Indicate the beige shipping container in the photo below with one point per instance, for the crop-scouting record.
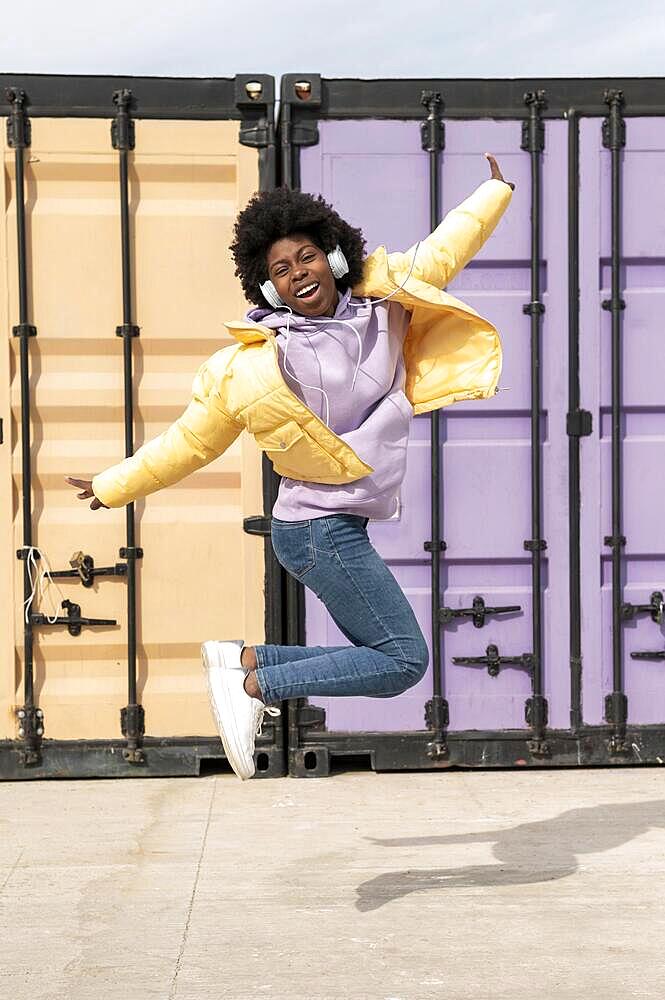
(201, 576)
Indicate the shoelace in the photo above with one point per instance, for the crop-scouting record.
(271, 711)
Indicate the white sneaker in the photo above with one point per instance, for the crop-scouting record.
(239, 717)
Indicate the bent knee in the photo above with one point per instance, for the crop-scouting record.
(414, 664)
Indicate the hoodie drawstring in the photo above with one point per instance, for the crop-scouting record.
(292, 374)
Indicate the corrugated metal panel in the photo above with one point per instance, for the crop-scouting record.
(201, 577)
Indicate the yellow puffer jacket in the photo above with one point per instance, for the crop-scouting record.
(451, 353)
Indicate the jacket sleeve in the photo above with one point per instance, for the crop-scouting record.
(459, 237)
(201, 434)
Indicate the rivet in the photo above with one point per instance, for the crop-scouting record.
(21, 731)
(303, 89)
(282, 444)
(21, 714)
(253, 89)
(40, 731)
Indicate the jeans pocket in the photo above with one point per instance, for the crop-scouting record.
(293, 546)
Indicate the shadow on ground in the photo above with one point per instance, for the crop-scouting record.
(528, 853)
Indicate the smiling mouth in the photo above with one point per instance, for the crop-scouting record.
(308, 291)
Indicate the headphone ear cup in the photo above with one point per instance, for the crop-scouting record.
(338, 262)
(271, 295)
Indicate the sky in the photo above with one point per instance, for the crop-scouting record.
(375, 38)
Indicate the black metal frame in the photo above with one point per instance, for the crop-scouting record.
(306, 99)
(249, 99)
(433, 141)
(579, 422)
(533, 142)
(310, 97)
(30, 718)
(616, 703)
(184, 756)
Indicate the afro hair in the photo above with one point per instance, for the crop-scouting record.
(272, 215)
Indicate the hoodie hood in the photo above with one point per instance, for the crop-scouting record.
(276, 319)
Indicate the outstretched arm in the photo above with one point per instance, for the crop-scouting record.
(462, 233)
(201, 434)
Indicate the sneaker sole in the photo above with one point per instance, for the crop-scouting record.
(228, 733)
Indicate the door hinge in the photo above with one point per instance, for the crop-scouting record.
(536, 712)
(533, 127)
(19, 129)
(123, 137)
(432, 130)
(302, 92)
(616, 707)
(312, 717)
(430, 721)
(256, 525)
(614, 126)
(255, 97)
(579, 423)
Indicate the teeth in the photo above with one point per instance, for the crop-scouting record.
(308, 288)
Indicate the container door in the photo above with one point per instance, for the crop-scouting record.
(641, 375)
(376, 175)
(200, 576)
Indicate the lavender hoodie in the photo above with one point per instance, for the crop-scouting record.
(360, 368)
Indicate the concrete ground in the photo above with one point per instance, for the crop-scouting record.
(372, 887)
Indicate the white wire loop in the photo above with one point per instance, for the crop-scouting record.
(40, 581)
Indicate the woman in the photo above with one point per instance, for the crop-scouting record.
(328, 372)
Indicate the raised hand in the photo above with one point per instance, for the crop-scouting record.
(496, 173)
(86, 486)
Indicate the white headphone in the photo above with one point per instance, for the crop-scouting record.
(338, 265)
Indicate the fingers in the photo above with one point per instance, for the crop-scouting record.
(494, 167)
(496, 172)
(86, 486)
(81, 484)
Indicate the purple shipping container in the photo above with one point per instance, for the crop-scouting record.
(377, 174)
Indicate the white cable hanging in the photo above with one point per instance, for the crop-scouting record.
(37, 575)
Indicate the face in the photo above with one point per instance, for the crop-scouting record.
(300, 272)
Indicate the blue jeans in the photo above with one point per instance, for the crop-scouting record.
(334, 557)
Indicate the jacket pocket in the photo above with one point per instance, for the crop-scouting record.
(280, 438)
(298, 456)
